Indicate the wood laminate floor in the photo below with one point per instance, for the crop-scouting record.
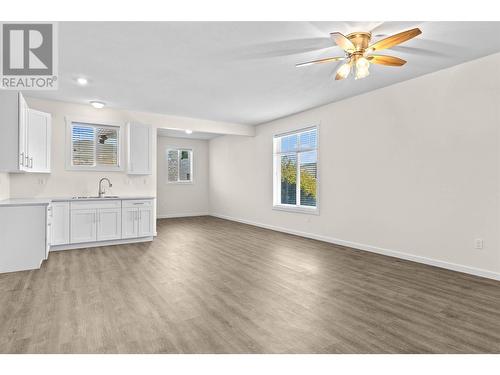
(207, 285)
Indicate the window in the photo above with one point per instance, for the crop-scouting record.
(296, 171)
(94, 146)
(179, 165)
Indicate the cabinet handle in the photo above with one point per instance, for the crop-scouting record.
(31, 162)
(22, 159)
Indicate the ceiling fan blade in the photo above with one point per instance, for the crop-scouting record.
(320, 61)
(342, 41)
(394, 40)
(386, 60)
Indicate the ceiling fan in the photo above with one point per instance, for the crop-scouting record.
(358, 52)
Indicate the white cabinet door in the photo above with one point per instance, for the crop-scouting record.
(38, 141)
(59, 214)
(139, 149)
(129, 222)
(145, 221)
(83, 225)
(109, 224)
(48, 233)
(23, 131)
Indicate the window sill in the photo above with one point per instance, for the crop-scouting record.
(94, 169)
(180, 182)
(295, 209)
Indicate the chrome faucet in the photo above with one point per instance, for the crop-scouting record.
(101, 189)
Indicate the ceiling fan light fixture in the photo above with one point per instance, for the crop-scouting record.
(361, 73)
(362, 68)
(344, 70)
(362, 63)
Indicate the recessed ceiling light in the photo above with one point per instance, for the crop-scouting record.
(97, 104)
(82, 81)
(188, 131)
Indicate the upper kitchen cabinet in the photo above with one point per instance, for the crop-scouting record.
(26, 136)
(139, 149)
(38, 132)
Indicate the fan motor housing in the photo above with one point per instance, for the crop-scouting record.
(361, 40)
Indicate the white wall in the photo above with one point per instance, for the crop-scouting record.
(175, 200)
(4, 186)
(62, 182)
(410, 170)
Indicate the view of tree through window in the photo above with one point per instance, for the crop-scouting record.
(179, 165)
(184, 166)
(94, 145)
(296, 169)
(289, 179)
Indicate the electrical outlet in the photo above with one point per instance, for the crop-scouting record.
(479, 243)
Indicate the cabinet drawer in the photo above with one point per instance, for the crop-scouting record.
(95, 204)
(137, 203)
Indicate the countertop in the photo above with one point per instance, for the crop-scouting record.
(47, 201)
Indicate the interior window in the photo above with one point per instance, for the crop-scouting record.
(296, 170)
(179, 165)
(94, 146)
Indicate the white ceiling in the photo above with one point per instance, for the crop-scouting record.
(242, 72)
(177, 133)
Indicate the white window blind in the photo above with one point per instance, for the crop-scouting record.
(179, 165)
(94, 145)
(295, 184)
(107, 146)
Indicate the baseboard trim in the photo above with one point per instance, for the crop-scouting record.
(392, 253)
(85, 245)
(172, 216)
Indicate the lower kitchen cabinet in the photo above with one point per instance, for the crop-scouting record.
(22, 237)
(83, 225)
(59, 223)
(137, 219)
(95, 221)
(129, 222)
(109, 224)
(145, 222)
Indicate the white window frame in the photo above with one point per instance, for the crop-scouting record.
(179, 149)
(94, 122)
(277, 205)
